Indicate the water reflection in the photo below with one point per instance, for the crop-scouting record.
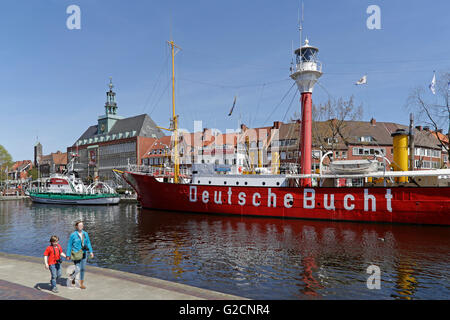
(406, 284)
(253, 257)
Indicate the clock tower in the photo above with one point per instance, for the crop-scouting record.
(107, 121)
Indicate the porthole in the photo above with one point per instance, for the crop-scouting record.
(237, 183)
(198, 181)
(278, 183)
(263, 183)
(245, 182)
(209, 182)
(224, 182)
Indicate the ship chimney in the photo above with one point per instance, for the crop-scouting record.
(373, 122)
(276, 124)
(400, 144)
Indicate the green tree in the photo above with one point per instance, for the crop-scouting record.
(34, 173)
(5, 162)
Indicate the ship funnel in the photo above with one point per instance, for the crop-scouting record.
(400, 142)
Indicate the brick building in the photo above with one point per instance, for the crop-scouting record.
(113, 143)
(348, 140)
(54, 162)
(354, 140)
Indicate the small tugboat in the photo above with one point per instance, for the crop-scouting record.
(67, 188)
(62, 189)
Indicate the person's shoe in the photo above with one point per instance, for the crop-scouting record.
(82, 284)
(55, 290)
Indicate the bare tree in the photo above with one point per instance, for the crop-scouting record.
(433, 110)
(330, 121)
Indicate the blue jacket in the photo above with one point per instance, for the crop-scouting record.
(74, 243)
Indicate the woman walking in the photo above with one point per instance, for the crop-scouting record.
(77, 248)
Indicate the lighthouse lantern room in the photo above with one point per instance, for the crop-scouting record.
(306, 73)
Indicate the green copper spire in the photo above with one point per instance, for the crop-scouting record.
(110, 105)
(107, 121)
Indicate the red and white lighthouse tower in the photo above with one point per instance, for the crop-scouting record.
(305, 73)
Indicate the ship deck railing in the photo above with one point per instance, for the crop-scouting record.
(158, 171)
(439, 173)
(45, 190)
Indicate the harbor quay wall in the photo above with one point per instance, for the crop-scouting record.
(24, 277)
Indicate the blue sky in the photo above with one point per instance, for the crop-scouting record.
(53, 80)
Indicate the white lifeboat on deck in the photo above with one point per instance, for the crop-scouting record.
(354, 166)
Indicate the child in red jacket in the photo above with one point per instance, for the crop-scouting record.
(52, 260)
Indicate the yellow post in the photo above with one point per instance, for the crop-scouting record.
(400, 142)
(275, 163)
(259, 158)
(252, 156)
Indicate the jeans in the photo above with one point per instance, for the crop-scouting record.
(55, 271)
(80, 266)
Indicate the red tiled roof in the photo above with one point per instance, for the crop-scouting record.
(159, 144)
(441, 136)
(59, 158)
(18, 165)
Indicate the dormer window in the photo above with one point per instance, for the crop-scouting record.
(366, 139)
(331, 140)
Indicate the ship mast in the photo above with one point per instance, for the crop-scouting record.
(174, 121)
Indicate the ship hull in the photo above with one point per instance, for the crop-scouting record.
(69, 199)
(416, 205)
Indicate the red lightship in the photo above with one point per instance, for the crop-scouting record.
(306, 195)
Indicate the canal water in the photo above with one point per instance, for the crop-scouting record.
(257, 258)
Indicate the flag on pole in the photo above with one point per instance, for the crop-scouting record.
(433, 83)
(232, 108)
(363, 80)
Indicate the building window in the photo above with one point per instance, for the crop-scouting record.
(331, 140)
(366, 138)
(368, 151)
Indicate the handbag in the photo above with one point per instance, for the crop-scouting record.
(77, 256)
